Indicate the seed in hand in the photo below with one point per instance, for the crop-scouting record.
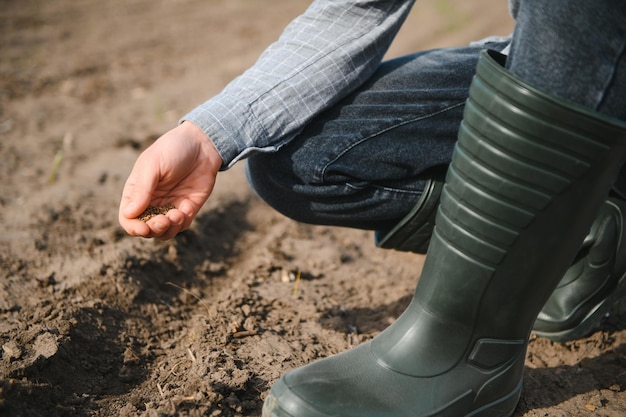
(152, 211)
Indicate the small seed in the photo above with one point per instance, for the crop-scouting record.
(152, 211)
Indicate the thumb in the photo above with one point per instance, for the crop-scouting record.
(138, 192)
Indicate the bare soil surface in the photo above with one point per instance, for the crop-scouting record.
(96, 323)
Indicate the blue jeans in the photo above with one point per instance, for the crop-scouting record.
(573, 49)
(363, 163)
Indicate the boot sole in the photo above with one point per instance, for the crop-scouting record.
(503, 407)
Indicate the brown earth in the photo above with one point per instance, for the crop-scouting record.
(96, 323)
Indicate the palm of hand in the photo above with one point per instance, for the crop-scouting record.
(179, 169)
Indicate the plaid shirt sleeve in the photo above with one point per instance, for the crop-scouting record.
(322, 55)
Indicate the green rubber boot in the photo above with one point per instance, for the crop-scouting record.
(527, 170)
(591, 288)
(594, 284)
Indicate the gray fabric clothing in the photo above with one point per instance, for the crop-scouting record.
(321, 57)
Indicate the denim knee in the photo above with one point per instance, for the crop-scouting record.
(273, 178)
(273, 182)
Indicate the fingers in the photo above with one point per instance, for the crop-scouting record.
(133, 226)
(162, 226)
(137, 195)
(130, 208)
(165, 227)
(140, 185)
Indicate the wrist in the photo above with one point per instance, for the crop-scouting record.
(208, 149)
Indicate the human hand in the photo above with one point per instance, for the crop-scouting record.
(178, 169)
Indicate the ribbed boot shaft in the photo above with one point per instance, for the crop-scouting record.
(528, 174)
(510, 162)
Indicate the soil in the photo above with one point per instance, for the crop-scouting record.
(96, 323)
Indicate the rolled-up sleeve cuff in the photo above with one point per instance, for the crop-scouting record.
(230, 125)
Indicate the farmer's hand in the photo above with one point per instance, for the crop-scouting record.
(178, 169)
